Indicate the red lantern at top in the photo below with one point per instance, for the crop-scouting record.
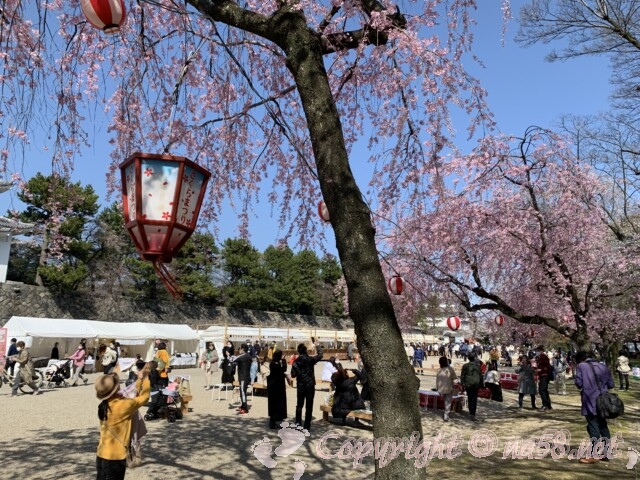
(107, 15)
(396, 285)
(532, 332)
(499, 320)
(161, 197)
(323, 211)
(453, 323)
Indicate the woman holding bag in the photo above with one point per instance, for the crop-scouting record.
(209, 365)
(78, 358)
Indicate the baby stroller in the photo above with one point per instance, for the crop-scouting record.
(57, 373)
(164, 403)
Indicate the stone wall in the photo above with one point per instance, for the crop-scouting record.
(31, 301)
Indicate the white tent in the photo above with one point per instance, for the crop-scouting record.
(41, 333)
(289, 337)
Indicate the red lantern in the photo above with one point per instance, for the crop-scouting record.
(499, 320)
(396, 285)
(323, 211)
(453, 323)
(161, 198)
(106, 15)
(532, 332)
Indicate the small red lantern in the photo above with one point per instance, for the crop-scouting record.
(161, 197)
(532, 332)
(499, 320)
(453, 323)
(107, 15)
(396, 285)
(323, 211)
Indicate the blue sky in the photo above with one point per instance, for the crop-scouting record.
(523, 89)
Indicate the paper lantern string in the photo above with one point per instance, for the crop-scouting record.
(165, 275)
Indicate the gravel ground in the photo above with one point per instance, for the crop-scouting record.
(55, 435)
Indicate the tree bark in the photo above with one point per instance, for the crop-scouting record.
(393, 381)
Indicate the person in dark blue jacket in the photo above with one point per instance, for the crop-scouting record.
(418, 356)
(13, 351)
(590, 373)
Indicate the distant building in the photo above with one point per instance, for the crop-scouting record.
(9, 228)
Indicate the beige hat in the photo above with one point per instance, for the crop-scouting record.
(107, 385)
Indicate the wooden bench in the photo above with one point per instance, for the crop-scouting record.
(359, 414)
(324, 384)
(184, 403)
(260, 389)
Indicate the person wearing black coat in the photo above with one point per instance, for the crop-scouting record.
(243, 362)
(346, 397)
(303, 371)
(227, 367)
(277, 390)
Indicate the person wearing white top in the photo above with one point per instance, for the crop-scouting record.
(622, 366)
(492, 382)
(446, 378)
(329, 369)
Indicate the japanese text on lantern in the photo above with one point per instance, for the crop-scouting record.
(187, 192)
(131, 191)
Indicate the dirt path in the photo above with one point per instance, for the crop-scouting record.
(54, 436)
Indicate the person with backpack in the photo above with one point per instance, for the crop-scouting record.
(592, 379)
(471, 380)
(303, 372)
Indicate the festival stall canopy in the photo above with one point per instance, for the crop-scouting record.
(240, 334)
(41, 332)
(66, 328)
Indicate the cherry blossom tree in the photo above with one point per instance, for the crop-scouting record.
(524, 235)
(271, 94)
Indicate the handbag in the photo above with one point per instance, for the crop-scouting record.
(161, 364)
(131, 458)
(608, 404)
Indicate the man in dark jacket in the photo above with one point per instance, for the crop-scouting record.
(303, 372)
(544, 377)
(471, 380)
(585, 380)
(243, 362)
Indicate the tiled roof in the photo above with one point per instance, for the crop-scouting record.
(14, 227)
(5, 185)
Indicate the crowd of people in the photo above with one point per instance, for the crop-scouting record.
(121, 423)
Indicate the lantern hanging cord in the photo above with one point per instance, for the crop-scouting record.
(163, 272)
(176, 91)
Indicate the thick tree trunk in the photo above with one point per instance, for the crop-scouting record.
(393, 382)
(580, 338)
